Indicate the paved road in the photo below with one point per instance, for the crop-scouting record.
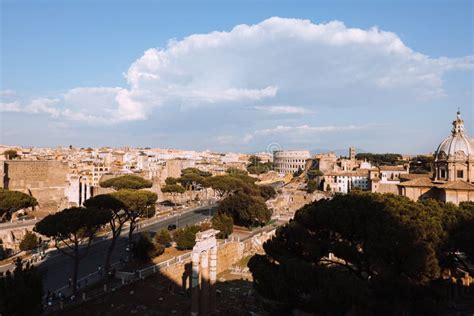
(58, 267)
(18, 225)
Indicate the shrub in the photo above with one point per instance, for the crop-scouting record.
(223, 223)
(29, 242)
(163, 238)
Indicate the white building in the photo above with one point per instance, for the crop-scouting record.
(344, 182)
(391, 174)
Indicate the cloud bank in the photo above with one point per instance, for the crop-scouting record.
(279, 66)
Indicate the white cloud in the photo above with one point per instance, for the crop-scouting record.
(282, 109)
(10, 107)
(308, 130)
(277, 61)
(7, 93)
(44, 105)
(298, 132)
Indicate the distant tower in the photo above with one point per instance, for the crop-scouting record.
(352, 153)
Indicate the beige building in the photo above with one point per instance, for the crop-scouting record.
(453, 179)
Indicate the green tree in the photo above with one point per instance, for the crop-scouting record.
(174, 190)
(29, 242)
(458, 223)
(190, 181)
(185, 238)
(171, 181)
(223, 223)
(313, 173)
(245, 210)
(224, 185)
(21, 291)
(381, 159)
(72, 228)
(255, 165)
(386, 255)
(192, 178)
(144, 249)
(11, 154)
(422, 164)
(201, 173)
(311, 186)
(163, 238)
(267, 192)
(131, 182)
(13, 201)
(138, 203)
(236, 171)
(109, 203)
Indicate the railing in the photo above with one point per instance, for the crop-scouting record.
(122, 278)
(157, 267)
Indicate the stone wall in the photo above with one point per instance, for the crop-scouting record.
(45, 180)
(228, 254)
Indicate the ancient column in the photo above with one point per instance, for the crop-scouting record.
(212, 279)
(195, 284)
(84, 192)
(204, 294)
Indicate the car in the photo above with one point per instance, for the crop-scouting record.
(171, 227)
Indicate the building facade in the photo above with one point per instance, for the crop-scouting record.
(453, 179)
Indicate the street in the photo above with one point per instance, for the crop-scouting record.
(57, 268)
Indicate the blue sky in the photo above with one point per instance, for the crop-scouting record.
(318, 76)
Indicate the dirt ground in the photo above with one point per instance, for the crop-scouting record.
(157, 295)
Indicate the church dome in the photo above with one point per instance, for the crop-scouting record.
(457, 145)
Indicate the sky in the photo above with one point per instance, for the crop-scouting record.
(247, 76)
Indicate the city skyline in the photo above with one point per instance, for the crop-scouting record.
(316, 76)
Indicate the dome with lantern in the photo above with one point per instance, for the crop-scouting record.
(454, 158)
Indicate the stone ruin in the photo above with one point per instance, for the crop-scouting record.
(204, 273)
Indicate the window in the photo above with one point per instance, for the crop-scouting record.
(460, 173)
(443, 174)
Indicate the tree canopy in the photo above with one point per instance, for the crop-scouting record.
(311, 186)
(224, 224)
(11, 154)
(422, 164)
(172, 188)
(105, 202)
(138, 203)
(224, 184)
(171, 180)
(196, 171)
(71, 228)
(119, 216)
(256, 166)
(163, 238)
(381, 159)
(145, 249)
(13, 201)
(29, 242)
(245, 210)
(185, 238)
(371, 252)
(21, 292)
(132, 182)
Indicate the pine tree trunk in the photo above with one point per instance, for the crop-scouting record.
(75, 270)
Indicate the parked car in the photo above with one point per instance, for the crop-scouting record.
(171, 227)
